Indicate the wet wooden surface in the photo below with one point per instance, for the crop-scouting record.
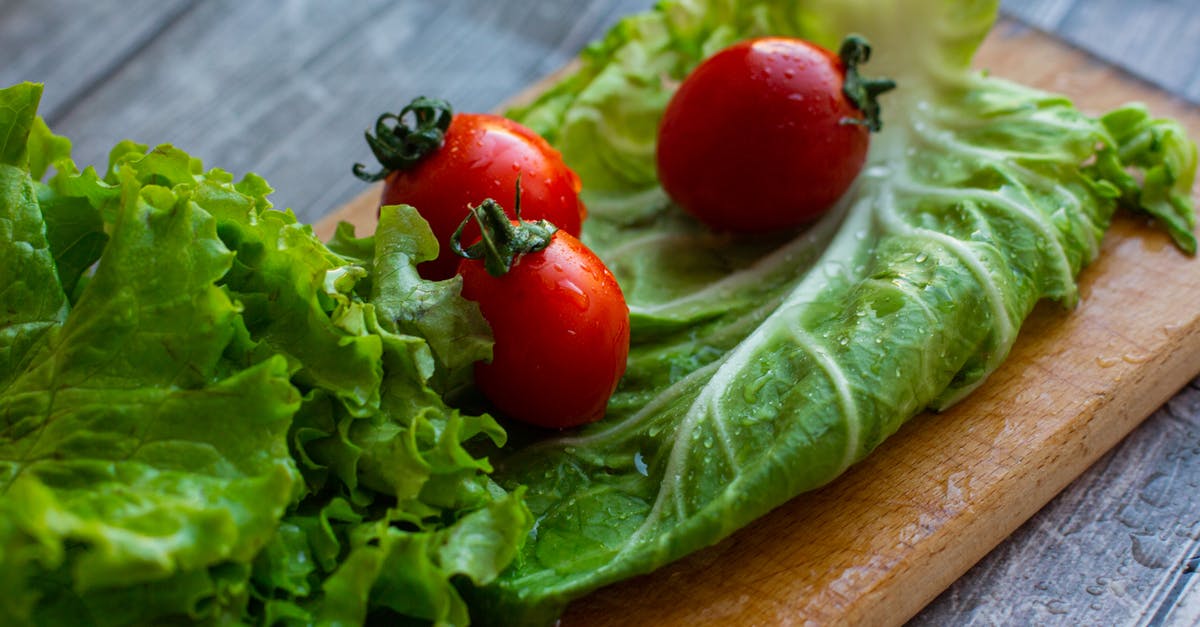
(285, 89)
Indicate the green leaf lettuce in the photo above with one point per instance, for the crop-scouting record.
(209, 415)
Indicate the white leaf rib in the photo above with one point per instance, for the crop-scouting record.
(1006, 329)
(837, 375)
(1062, 261)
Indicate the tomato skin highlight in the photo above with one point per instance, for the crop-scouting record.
(756, 138)
(482, 157)
(561, 328)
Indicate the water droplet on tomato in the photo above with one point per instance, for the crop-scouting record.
(574, 294)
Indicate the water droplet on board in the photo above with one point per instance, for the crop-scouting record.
(1057, 607)
(1135, 358)
(1143, 552)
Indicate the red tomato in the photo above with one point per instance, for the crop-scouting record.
(561, 329)
(761, 136)
(481, 157)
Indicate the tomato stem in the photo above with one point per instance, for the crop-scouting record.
(862, 92)
(399, 144)
(503, 240)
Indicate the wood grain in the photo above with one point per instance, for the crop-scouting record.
(1113, 548)
(74, 46)
(878, 544)
(1140, 37)
(283, 89)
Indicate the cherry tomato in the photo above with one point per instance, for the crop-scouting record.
(561, 329)
(481, 156)
(764, 135)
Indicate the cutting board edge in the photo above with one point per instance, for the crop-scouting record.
(1115, 418)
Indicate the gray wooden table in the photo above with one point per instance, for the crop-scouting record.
(285, 89)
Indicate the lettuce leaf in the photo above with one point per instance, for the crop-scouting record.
(761, 369)
(129, 453)
(209, 415)
(32, 294)
(393, 494)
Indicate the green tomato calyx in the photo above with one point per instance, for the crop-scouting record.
(862, 92)
(503, 240)
(399, 144)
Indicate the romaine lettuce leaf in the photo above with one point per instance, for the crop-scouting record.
(761, 369)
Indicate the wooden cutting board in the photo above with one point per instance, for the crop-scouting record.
(883, 540)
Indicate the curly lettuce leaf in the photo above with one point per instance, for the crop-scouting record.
(457, 335)
(398, 510)
(221, 419)
(761, 369)
(131, 455)
(33, 296)
(410, 573)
